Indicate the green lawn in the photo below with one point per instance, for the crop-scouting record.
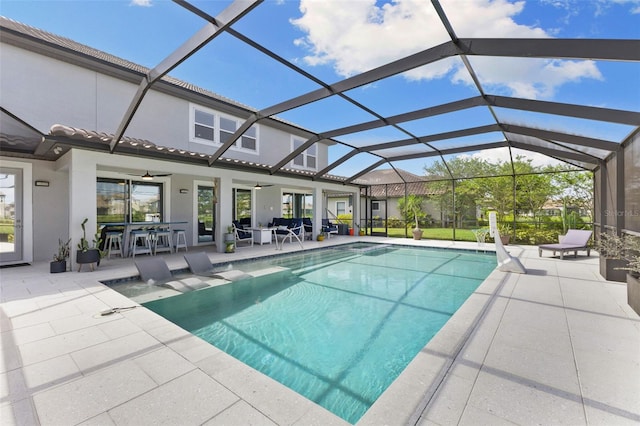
(431, 233)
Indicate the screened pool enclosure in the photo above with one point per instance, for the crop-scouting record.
(498, 98)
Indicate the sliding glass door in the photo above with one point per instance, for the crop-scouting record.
(206, 214)
(10, 215)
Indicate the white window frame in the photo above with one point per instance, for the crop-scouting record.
(192, 124)
(237, 146)
(340, 211)
(217, 130)
(306, 155)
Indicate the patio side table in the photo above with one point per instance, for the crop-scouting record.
(262, 235)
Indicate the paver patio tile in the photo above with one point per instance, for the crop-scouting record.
(10, 358)
(521, 401)
(115, 350)
(52, 372)
(448, 403)
(473, 416)
(265, 394)
(188, 400)
(163, 365)
(102, 419)
(55, 346)
(24, 335)
(48, 314)
(536, 366)
(19, 413)
(118, 327)
(610, 386)
(240, 410)
(86, 397)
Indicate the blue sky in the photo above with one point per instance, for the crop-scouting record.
(335, 39)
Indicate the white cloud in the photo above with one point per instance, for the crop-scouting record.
(355, 36)
(600, 6)
(527, 78)
(143, 3)
(634, 5)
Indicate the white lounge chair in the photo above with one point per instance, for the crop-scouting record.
(575, 240)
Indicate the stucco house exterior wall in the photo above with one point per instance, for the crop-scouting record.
(46, 84)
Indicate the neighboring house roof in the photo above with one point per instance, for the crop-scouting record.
(398, 190)
(387, 176)
(552, 204)
(391, 183)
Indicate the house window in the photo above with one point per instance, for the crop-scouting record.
(227, 129)
(375, 205)
(307, 158)
(124, 200)
(341, 208)
(249, 139)
(208, 127)
(203, 125)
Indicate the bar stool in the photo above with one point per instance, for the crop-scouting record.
(140, 242)
(162, 241)
(114, 241)
(181, 239)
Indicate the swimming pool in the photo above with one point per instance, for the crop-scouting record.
(335, 325)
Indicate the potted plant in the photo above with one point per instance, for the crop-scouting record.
(230, 240)
(413, 207)
(320, 237)
(505, 234)
(229, 235)
(88, 253)
(632, 256)
(611, 249)
(59, 263)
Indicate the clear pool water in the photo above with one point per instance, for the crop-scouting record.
(339, 325)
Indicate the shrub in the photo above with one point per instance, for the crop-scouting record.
(536, 236)
(394, 222)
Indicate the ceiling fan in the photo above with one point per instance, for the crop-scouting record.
(149, 176)
(258, 186)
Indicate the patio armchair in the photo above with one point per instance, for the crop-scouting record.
(295, 229)
(243, 235)
(308, 227)
(329, 228)
(575, 240)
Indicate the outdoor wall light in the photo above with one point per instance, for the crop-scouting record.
(42, 183)
(184, 191)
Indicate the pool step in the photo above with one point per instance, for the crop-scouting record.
(303, 262)
(342, 257)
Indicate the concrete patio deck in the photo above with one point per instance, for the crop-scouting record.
(556, 346)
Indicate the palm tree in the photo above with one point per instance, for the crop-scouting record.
(412, 206)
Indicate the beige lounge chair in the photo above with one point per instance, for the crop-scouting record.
(575, 240)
